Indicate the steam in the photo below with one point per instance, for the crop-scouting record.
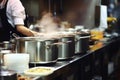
(47, 24)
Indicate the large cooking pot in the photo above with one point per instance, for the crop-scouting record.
(66, 49)
(47, 51)
(40, 50)
(81, 42)
(27, 45)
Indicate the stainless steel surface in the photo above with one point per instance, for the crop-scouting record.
(82, 63)
(40, 50)
(7, 72)
(81, 43)
(26, 45)
(6, 44)
(66, 50)
(46, 51)
(2, 53)
(8, 75)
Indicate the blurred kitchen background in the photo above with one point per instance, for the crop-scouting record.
(76, 12)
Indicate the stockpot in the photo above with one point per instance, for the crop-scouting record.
(81, 42)
(66, 49)
(47, 51)
(26, 45)
(40, 50)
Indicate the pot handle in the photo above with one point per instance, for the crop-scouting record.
(65, 42)
(58, 43)
(15, 36)
(82, 38)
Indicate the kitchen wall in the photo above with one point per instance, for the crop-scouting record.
(77, 12)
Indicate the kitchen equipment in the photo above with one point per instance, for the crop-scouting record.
(6, 44)
(97, 34)
(8, 75)
(66, 49)
(17, 62)
(41, 50)
(47, 51)
(2, 53)
(27, 45)
(81, 42)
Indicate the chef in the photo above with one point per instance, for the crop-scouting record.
(12, 16)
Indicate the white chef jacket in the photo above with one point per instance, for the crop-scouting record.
(15, 12)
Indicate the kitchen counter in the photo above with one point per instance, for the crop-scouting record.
(91, 65)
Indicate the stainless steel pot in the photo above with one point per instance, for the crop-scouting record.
(8, 75)
(66, 49)
(81, 43)
(40, 50)
(47, 51)
(27, 45)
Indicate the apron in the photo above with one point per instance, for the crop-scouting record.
(6, 28)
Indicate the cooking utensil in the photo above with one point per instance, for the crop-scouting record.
(40, 50)
(8, 75)
(26, 45)
(66, 50)
(47, 51)
(81, 43)
(17, 62)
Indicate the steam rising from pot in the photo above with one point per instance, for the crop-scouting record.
(47, 24)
